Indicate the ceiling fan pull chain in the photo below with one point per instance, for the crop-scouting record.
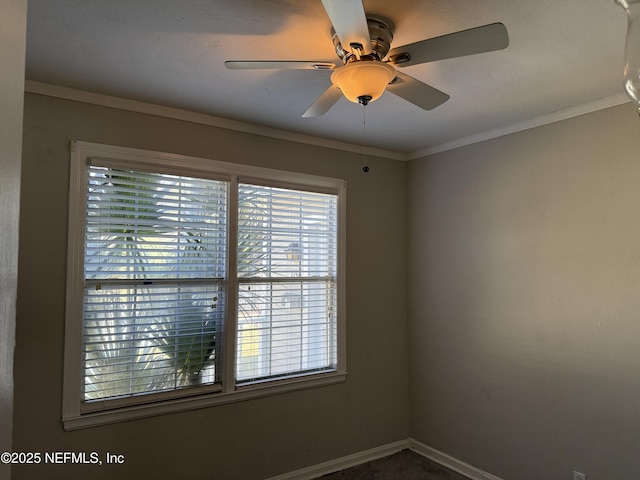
(365, 167)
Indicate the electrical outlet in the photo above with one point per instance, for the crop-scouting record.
(579, 476)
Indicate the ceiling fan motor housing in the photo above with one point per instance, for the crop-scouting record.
(381, 35)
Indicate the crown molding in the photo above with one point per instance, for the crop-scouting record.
(67, 93)
(557, 116)
(83, 96)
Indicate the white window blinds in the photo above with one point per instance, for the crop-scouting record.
(154, 268)
(193, 282)
(287, 261)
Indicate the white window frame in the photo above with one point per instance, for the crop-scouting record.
(74, 415)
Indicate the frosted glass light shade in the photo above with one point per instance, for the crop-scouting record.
(632, 50)
(363, 79)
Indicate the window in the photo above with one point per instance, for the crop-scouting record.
(193, 282)
(286, 282)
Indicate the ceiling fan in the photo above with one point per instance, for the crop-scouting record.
(363, 43)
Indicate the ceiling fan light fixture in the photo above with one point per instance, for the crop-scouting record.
(363, 79)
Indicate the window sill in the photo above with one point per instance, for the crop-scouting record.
(199, 401)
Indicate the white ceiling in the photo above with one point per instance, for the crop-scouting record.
(562, 55)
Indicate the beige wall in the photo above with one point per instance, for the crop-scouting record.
(248, 440)
(13, 27)
(524, 300)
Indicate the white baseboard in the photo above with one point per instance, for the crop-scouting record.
(450, 462)
(359, 458)
(337, 464)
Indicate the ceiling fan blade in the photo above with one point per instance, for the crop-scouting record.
(350, 23)
(324, 102)
(416, 92)
(458, 44)
(278, 64)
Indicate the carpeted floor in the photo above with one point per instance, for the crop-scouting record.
(404, 465)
